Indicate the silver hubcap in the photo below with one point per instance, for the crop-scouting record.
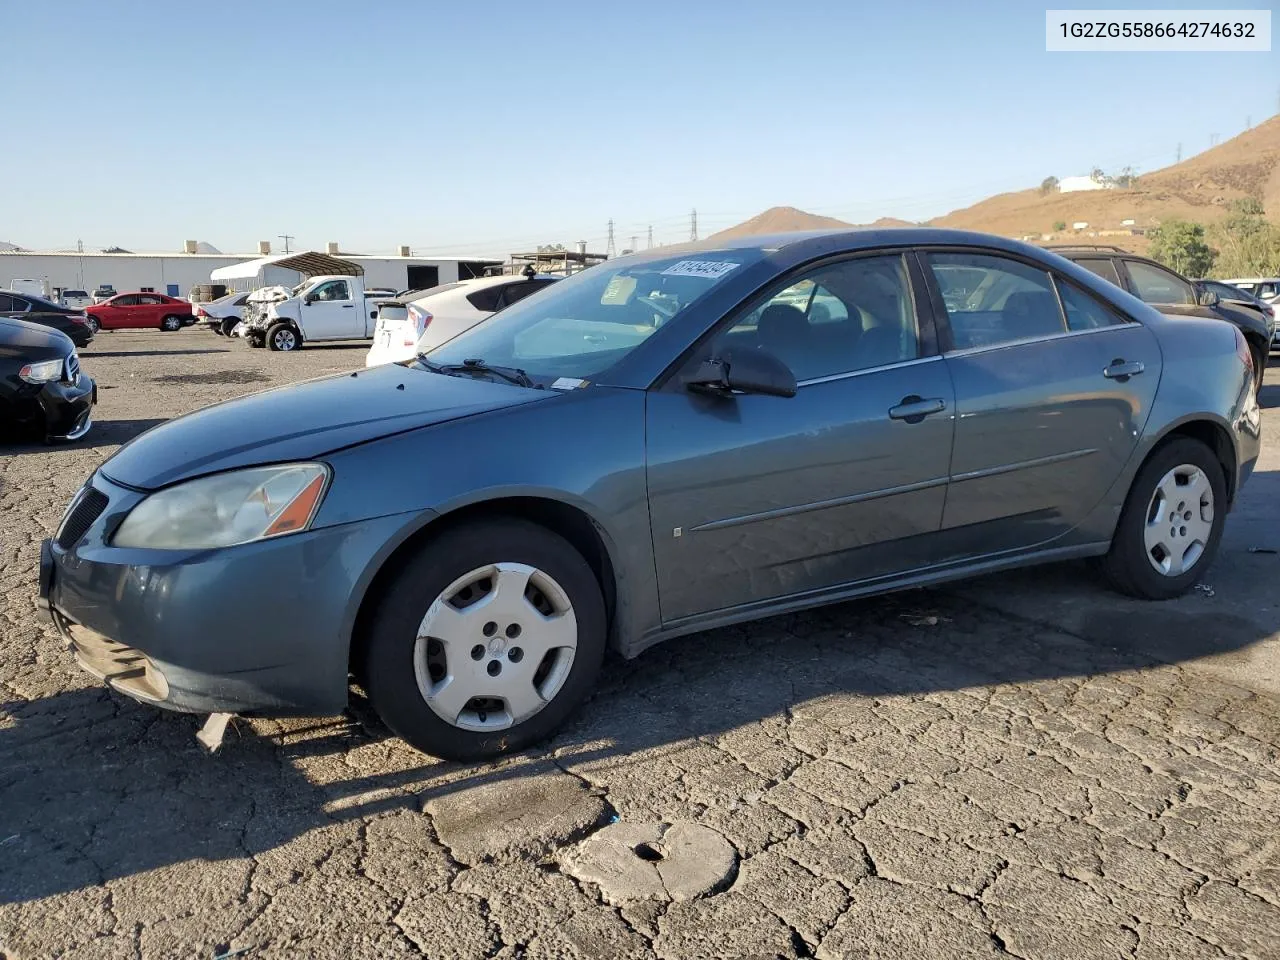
(284, 340)
(1179, 520)
(495, 647)
(170, 323)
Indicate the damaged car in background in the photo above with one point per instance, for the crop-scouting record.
(758, 426)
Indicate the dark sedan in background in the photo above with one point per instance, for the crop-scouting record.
(42, 391)
(668, 442)
(74, 323)
(1173, 294)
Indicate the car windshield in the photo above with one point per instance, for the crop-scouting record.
(584, 325)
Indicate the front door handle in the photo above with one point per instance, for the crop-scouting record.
(913, 409)
(1121, 369)
(348, 306)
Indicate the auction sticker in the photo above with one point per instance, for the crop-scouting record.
(710, 269)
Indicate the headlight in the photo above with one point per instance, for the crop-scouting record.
(42, 372)
(227, 509)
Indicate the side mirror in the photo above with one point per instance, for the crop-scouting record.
(746, 371)
(1208, 298)
(309, 299)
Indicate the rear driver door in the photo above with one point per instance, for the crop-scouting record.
(1053, 390)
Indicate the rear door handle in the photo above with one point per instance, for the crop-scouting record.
(348, 306)
(1122, 370)
(913, 409)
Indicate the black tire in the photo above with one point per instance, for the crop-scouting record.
(283, 337)
(388, 666)
(171, 323)
(257, 341)
(1126, 565)
(227, 325)
(1260, 356)
(92, 324)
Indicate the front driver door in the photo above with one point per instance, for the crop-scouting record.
(758, 498)
(115, 313)
(331, 314)
(1053, 389)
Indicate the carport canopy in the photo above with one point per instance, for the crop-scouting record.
(309, 264)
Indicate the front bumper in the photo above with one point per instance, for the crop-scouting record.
(68, 408)
(263, 628)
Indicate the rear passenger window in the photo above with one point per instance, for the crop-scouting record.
(992, 300)
(1084, 312)
(840, 318)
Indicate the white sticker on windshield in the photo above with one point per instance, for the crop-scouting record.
(568, 383)
(710, 269)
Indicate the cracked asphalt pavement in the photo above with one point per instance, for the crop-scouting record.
(1024, 765)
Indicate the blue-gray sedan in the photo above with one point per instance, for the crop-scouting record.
(664, 443)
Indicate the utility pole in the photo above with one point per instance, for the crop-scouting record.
(650, 246)
(1179, 160)
(286, 237)
(693, 224)
(609, 250)
(1248, 121)
(1213, 139)
(634, 238)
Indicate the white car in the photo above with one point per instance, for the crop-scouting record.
(222, 314)
(1264, 288)
(423, 319)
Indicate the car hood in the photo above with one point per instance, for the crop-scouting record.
(304, 421)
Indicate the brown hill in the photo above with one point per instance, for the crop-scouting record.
(1198, 189)
(779, 220)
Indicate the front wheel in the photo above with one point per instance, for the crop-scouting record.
(282, 337)
(1171, 524)
(92, 324)
(485, 640)
(171, 323)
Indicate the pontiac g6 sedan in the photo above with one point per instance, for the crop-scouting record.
(661, 444)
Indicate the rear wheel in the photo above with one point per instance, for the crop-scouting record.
(171, 323)
(1171, 524)
(92, 324)
(1260, 356)
(485, 641)
(227, 326)
(282, 337)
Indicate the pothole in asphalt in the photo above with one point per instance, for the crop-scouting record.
(650, 852)
(653, 861)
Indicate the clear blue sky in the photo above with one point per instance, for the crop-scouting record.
(488, 127)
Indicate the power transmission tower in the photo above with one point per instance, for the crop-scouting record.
(634, 247)
(1248, 122)
(693, 224)
(609, 250)
(286, 237)
(650, 246)
(1213, 139)
(1179, 160)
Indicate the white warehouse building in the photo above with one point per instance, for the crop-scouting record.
(176, 273)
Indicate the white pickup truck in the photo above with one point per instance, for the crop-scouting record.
(321, 308)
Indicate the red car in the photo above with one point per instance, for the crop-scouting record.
(145, 310)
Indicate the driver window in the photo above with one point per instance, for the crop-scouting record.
(1155, 285)
(332, 290)
(839, 318)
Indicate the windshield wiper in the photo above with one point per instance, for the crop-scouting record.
(477, 365)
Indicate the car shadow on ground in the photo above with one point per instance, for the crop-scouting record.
(89, 353)
(1269, 396)
(103, 433)
(95, 787)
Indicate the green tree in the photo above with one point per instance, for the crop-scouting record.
(1059, 225)
(1048, 185)
(1248, 243)
(1180, 244)
(1128, 177)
